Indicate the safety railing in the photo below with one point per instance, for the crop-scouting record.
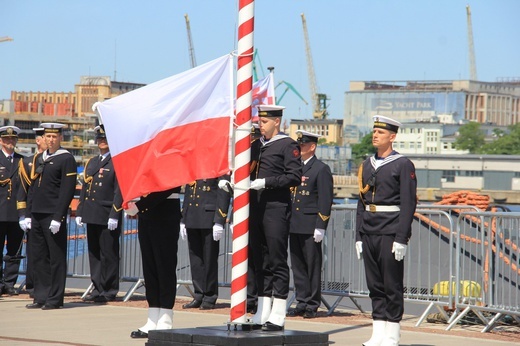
(458, 259)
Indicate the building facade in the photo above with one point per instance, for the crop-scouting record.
(410, 101)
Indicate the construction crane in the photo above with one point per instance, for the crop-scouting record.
(193, 62)
(288, 86)
(471, 47)
(319, 101)
(5, 38)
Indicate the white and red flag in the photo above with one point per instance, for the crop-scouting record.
(263, 94)
(173, 131)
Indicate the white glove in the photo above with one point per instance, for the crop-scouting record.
(359, 250)
(28, 222)
(225, 185)
(112, 224)
(132, 209)
(22, 223)
(94, 106)
(318, 235)
(258, 184)
(217, 231)
(55, 226)
(78, 221)
(183, 231)
(399, 251)
(231, 228)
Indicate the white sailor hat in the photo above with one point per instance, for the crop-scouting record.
(386, 123)
(307, 137)
(270, 110)
(52, 127)
(38, 131)
(100, 131)
(9, 131)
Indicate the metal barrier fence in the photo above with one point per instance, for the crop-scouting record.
(449, 245)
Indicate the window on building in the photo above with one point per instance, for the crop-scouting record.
(449, 175)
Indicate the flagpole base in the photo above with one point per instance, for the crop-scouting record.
(224, 335)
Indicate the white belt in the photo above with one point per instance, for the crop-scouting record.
(381, 208)
(174, 196)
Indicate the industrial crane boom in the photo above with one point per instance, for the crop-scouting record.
(471, 47)
(319, 101)
(193, 63)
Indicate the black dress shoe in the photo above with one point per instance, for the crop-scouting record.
(137, 334)
(249, 327)
(51, 307)
(100, 299)
(309, 313)
(207, 306)
(34, 306)
(90, 298)
(296, 312)
(271, 327)
(193, 304)
(11, 291)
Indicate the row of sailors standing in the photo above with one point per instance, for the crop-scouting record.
(291, 198)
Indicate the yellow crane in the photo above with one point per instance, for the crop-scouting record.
(5, 38)
(319, 100)
(471, 47)
(193, 62)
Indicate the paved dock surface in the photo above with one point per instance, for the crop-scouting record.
(80, 323)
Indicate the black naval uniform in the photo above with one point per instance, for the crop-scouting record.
(101, 199)
(204, 205)
(279, 163)
(9, 226)
(311, 209)
(158, 225)
(394, 185)
(53, 184)
(24, 192)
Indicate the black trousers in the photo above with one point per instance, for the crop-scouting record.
(306, 259)
(13, 234)
(269, 238)
(203, 264)
(158, 238)
(50, 260)
(103, 255)
(384, 277)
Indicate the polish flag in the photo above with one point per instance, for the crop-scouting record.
(173, 131)
(263, 94)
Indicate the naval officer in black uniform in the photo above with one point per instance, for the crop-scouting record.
(312, 203)
(100, 207)
(387, 201)
(10, 230)
(204, 213)
(53, 183)
(278, 169)
(159, 216)
(24, 171)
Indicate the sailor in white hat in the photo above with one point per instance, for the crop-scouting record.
(387, 201)
(9, 227)
(55, 172)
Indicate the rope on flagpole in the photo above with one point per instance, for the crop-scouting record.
(242, 161)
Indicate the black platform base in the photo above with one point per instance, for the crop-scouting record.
(204, 336)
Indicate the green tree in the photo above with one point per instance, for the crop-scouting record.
(470, 138)
(364, 148)
(505, 144)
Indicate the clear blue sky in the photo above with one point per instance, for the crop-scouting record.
(57, 41)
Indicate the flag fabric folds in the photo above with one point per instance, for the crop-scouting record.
(173, 131)
(263, 94)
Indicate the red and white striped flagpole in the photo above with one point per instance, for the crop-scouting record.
(242, 161)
